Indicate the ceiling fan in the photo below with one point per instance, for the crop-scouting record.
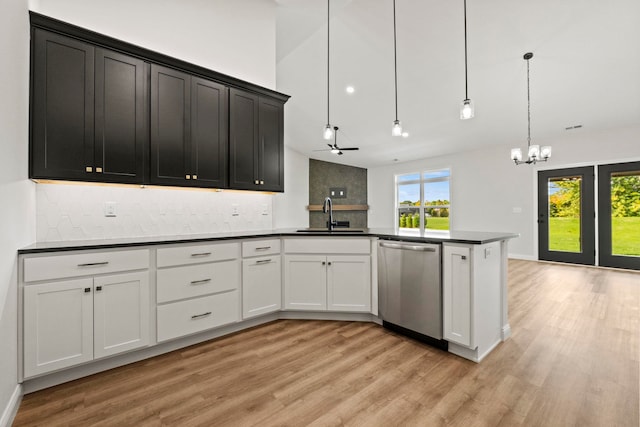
(334, 148)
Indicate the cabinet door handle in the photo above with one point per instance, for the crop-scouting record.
(93, 264)
(256, 182)
(98, 288)
(198, 316)
(324, 263)
(88, 169)
(263, 248)
(463, 257)
(201, 254)
(87, 290)
(263, 261)
(261, 182)
(200, 282)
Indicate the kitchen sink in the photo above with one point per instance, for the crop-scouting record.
(335, 230)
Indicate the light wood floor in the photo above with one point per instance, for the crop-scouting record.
(572, 360)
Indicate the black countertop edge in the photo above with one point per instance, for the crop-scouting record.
(466, 237)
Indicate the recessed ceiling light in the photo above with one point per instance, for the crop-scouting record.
(350, 89)
(405, 134)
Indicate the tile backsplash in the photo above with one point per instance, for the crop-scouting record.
(78, 212)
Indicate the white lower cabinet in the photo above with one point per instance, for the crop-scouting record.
(335, 283)
(261, 286)
(471, 298)
(74, 321)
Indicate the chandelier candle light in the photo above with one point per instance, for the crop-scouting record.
(328, 129)
(466, 109)
(535, 154)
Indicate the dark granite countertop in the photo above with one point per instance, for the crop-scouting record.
(468, 237)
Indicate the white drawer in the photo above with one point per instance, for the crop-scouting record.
(84, 264)
(195, 280)
(260, 247)
(193, 254)
(333, 245)
(187, 317)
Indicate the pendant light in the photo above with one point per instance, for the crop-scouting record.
(534, 152)
(328, 129)
(466, 108)
(396, 130)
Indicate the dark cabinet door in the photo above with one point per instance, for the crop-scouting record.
(170, 104)
(209, 133)
(120, 119)
(271, 145)
(243, 140)
(61, 107)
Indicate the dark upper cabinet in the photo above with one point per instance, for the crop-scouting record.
(88, 112)
(61, 107)
(188, 130)
(256, 142)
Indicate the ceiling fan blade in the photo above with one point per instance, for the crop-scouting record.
(349, 148)
(330, 146)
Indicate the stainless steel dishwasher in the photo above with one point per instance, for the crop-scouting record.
(410, 289)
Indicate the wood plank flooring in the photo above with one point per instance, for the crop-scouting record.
(572, 360)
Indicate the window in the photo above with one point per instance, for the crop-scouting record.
(422, 201)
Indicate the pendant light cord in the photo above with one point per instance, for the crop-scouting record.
(328, 29)
(528, 109)
(466, 84)
(395, 57)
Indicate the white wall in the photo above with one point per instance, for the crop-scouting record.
(237, 38)
(486, 186)
(17, 223)
(289, 208)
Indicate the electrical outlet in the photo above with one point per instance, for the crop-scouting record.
(265, 210)
(235, 210)
(110, 209)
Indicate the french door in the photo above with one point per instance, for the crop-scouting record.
(619, 215)
(566, 212)
(567, 215)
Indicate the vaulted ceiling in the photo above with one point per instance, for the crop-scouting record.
(585, 71)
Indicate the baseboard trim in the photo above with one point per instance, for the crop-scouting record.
(506, 331)
(523, 257)
(11, 409)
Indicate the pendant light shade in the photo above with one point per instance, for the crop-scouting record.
(535, 153)
(396, 130)
(328, 129)
(467, 110)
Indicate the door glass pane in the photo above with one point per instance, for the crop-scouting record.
(564, 213)
(625, 213)
(409, 206)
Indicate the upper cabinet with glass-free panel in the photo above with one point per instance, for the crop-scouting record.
(95, 100)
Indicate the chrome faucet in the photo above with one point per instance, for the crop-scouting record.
(327, 206)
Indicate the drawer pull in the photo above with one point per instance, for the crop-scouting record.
(87, 290)
(263, 261)
(201, 254)
(200, 282)
(93, 264)
(463, 257)
(263, 248)
(198, 316)
(98, 288)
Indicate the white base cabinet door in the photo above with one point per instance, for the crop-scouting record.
(58, 325)
(349, 283)
(261, 286)
(121, 313)
(457, 295)
(305, 282)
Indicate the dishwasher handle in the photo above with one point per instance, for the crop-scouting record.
(408, 247)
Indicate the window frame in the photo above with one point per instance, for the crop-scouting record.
(422, 208)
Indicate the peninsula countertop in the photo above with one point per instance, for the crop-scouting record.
(454, 236)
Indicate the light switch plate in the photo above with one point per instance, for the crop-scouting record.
(110, 209)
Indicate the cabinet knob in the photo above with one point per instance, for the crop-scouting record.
(256, 182)
(195, 176)
(88, 169)
(329, 263)
(99, 170)
(98, 288)
(324, 263)
(87, 290)
(463, 257)
(187, 176)
(261, 182)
